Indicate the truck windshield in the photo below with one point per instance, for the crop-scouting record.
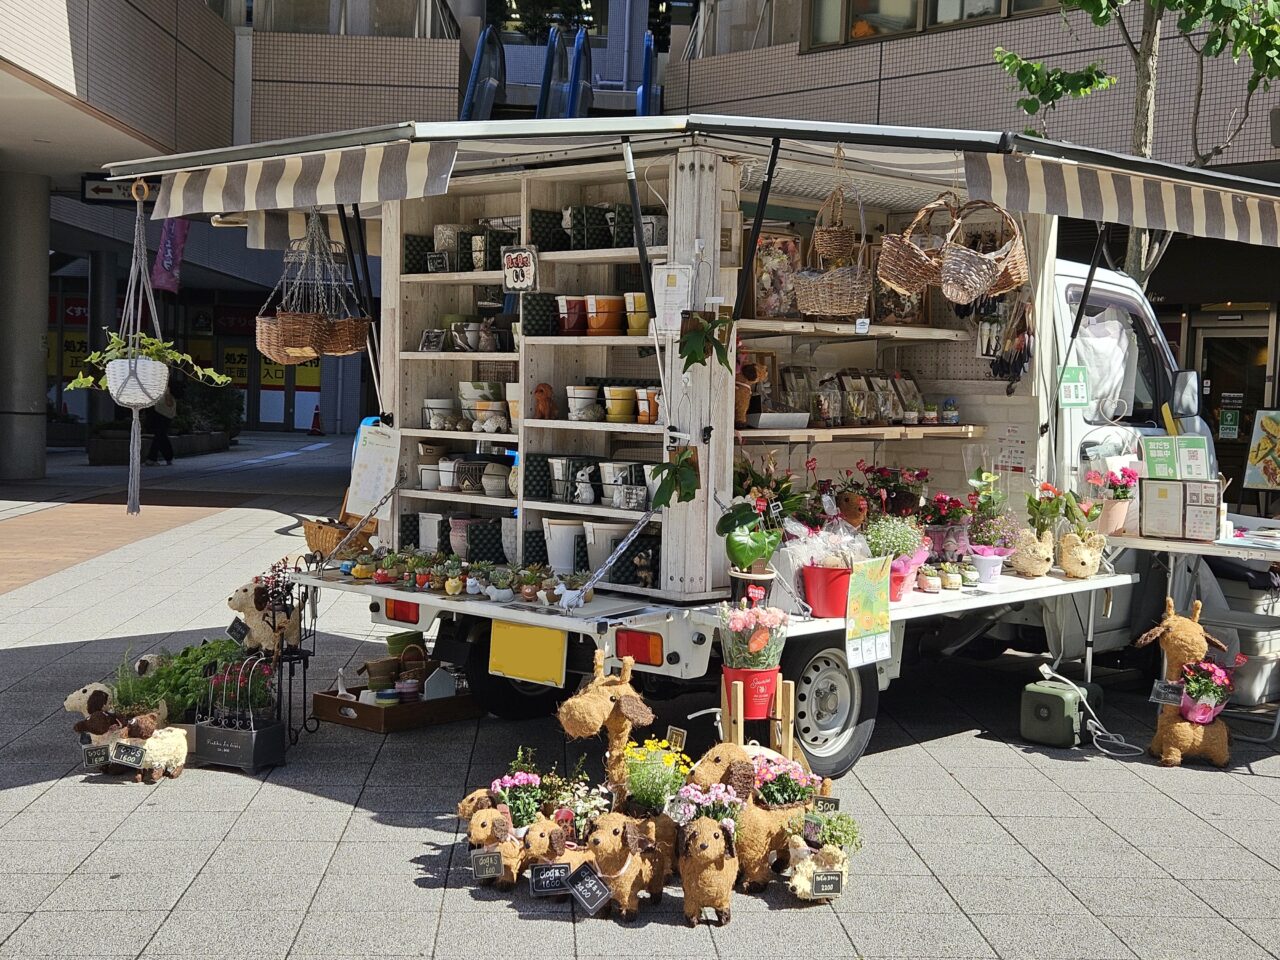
(1115, 346)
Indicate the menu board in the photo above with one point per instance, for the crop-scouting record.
(374, 471)
(1262, 472)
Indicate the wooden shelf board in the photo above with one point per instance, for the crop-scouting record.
(478, 499)
(952, 432)
(669, 597)
(475, 277)
(654, 428)
(602, 255)
(455, 355)
(753, 329)
(622, 341)
(838, 434)
(419, 434)
(593, 510)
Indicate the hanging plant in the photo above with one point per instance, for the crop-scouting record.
(141, 346)
(703, 332)
(678, 477)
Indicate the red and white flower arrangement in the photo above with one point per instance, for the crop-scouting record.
(1114, 486)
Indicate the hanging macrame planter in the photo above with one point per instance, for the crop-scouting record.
(137, 382)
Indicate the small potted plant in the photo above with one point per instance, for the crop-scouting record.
(783, 783)
(749, 543)
(1081, 548)
(950, 412)
(820, 842)
(390, 569)
(950, 574)
(573, 584)
(946, 521)
(1206, 687)
(911, 415)
(969, 574)
(929, 580)
(499, 588)
(901, 539)
(437, 577)
(365, 566)
(930, 415)
(1117, 493)
(478, 575)
(655, 773)
(454, 579)
(530, 582)
(751, 641)
(1033, 549)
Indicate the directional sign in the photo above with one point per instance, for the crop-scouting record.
(95, 188)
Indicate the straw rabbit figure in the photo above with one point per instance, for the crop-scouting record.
(1184, 641)
(708, 869)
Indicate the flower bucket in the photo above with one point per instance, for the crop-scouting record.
(988, 566)
(898, 583)
(758, 687)
(1198, 711)
(1111, 520)
(826, 590)
(752, 587)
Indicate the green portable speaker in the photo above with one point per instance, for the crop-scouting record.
(1051, 712)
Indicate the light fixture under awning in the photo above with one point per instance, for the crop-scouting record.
(361, 175)
(1087, 192)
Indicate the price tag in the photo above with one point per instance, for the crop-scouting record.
(519, 269)
(586, 887)
(128, 754)
(775, 508)
(238, 630)
(1166, 692)
(676, 737)
(755, 593)
(828, 883)
(862, 325)
(97, 756)
(486, 864)
(548, 879)
(761, 504)
(826, 804)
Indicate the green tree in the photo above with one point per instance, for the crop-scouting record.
(1246, 31)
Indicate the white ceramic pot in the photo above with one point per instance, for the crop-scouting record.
(448, 472)
(429, 476)
(560, 535)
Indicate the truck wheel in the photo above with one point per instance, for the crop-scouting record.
(508, 699)
(835, 707)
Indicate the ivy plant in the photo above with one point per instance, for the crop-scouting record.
(140, 345)
(677, 477)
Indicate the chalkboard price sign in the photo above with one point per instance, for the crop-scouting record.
(1165, 691)
(238, 630)
(828, 883)
(826, 804)
(588, 889)
(128, 754)
(676, 736)
(97, 756)
(548, 879)
(486, 864)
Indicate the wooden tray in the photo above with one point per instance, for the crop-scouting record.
(403, 716)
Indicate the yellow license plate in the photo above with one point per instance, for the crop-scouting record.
(535, 654)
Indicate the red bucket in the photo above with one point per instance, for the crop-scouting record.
(899, 583)
(826, 589)
(758, 688)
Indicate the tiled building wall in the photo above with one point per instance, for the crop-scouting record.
(949, 79)
(309, 83)
(161, 67)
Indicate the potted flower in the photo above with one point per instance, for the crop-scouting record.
(950, 573)
(574, 804)
(749, 544)
(950, 412)
(1206, 687)
(751, 640)
(655, 773)
(895, 490)
(521, 791)
(454, 579)
(826, 580)
(719, 801)
(929, 580)
(820, 842)
(969, 575)
(499, 588)
(1033, 549)
(1081, 549)
(1117, 493)
(992, 531)
(365, 566)
(782, 783)
(478, 575)
(899, 538)
(945, 521)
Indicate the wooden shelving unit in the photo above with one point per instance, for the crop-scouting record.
(417, 434)
(603, 255)
(758, 329)
(656, 429)
(592, 511)
(456, 355)
(474, 499)
(480, 278)
(612, 341)
(748, 436)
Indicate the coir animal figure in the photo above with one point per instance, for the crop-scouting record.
(708, 869)
(628, 861)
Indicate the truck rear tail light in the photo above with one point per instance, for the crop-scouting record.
(402, 611)
(646, 648)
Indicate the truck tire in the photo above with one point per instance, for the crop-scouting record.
(508, 699)
(835, 707)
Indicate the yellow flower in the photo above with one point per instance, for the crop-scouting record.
(669, 760)
(663, 744)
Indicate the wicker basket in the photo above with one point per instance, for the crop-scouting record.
(291, 338)
(842, 292)
(413, 667)
(1015, 272)
(831, 238)
(138, 383)
(903, 265)
(967, 274)
(345, 336)
(323, 536)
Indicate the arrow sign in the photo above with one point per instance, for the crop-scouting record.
(94, 188)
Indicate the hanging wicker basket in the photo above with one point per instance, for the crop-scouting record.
(831, 238)
(138, 383)
(904, 266)
(291, 338)
(345, 336)
(843, 292)
(967, 274)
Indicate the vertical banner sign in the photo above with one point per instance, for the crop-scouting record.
(866, 623)
(168, 263)
(1074, 391)
(519, 269)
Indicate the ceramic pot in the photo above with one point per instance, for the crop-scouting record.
(988, 566)
(500, 594)
(637, 314)
(573, 316)
(969, 576)
(1032, 556)
(363, 571)
(474, 586)
(529, 592)
(1111, 520)
(454, 586)
(448, 470)
(605, 316)
(1079, 558)
(422, 578)
(927, 584)
(951, 581)
(429, 476)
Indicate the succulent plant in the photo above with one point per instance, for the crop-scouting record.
(481, 570)
(928, 570)
(501, 578)
(452, 568)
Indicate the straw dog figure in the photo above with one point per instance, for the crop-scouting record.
(628, 861)
(708, 869)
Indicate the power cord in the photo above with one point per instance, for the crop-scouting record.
(1111, 744)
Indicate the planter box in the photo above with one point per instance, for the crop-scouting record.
(327, 705)
(111, 447)
(250, 750)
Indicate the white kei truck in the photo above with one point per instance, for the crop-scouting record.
(719, 183)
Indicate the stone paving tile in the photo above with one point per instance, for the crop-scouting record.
(140, 856)
(925, 829)
(759, 935)
(277, 857)
(1258, 900)
(887, 894)
(265, 933)
(913, 935)
(1265, 932)
(979, 860)
(1142, 896)
(430, 853)
(1049, 937)
(273, 798)
(30, 825)
(27, 896)
(652, 934)
(157, 891)
(19, 857)
(208, 892)
(1117, 859)
(465, 896)
(63, 934)
(397, 825)
(148, 824)
(887, 859)
(460, 937)
(1218, 861)
(1030, 895)
(314, 826)
(1208, 938)
(953, 802)
(353, 893)
(1056, 804)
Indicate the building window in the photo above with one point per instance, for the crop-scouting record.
(826, 22)
(1032, 6)
(956, 11)
(830, 23)
(531, 20)
(874, 18)
(300, 16)
(394, 18)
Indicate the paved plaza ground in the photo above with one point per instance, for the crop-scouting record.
(976, 844)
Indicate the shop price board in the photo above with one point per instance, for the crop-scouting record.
(676, 736)
(866, 622)
(374, 471)
(828, 883)
(586, 887)
(486, 864)
(1167, 692)
(97, 755)
(128, 754)
(826, 804)
(238, 630)
(519, 269)
(548, 879)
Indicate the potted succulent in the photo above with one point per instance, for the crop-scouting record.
(530, 581)
(390, 569)
(573, 584)
(930, 415)
(1117, 493)
(454, 579)
(499, 588)
(478, 575)
(901, 539)
(1033, 549)
(751, 640)
(950, 412)
(950, 574)
(365, 566)
(1080, 549)
(437, 577)
(929, 580)
(969, 574)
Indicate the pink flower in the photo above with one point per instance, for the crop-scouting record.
(1094, 477)
(1241, 659)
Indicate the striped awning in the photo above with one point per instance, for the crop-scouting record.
(363, 175)
(275, 229)
(1091, 192)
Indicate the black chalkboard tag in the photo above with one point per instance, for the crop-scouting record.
(826, 804)
(828, 883)
(676, 736)
(128, 754)
(238, 630)
(97, 756)
(588, 889)
(486, 864)
(812, 828)
(1166, 691)
(547, 879)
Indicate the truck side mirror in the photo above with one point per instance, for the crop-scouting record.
(1185, 401)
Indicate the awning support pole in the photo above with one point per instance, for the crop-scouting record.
(646, 273)
(744, 280)
(356, 258)
(1100, 245)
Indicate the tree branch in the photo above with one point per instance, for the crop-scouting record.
(1197, 99)
(1128, 37)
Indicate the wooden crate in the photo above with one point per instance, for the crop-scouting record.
(403, 716)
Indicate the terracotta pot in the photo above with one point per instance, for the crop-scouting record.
(1032, 556)
(529, 592)
(1111, 521)
(1080, 559)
